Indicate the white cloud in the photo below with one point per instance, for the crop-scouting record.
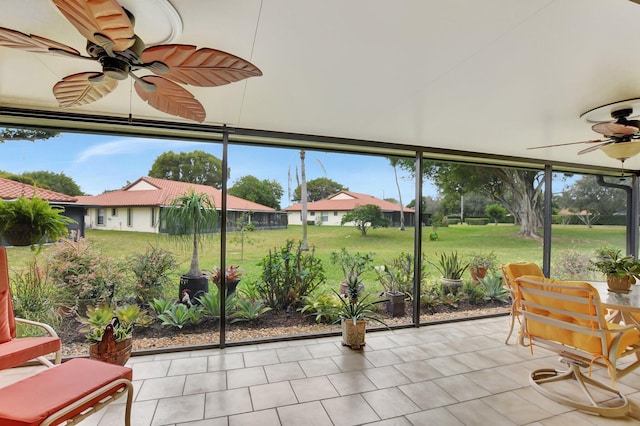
(126, 146)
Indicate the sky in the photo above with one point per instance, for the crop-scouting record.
(99, 163)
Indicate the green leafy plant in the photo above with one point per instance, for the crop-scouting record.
(180, 315)
(159, 306)
(34, 218)
(210, 303)
(361, 309)
(289, 275)
(353, 265)
(79, 271)
(232, 274)
(99, 317)
(494, 288)
(323, 306)
(474, 293)
(248, 310)
(396, 276)
(450, 265)
(610, 261)
(32, 297)
(192, 216)
(151, 270)
(486, 261)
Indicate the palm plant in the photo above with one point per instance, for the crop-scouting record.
(189, 216)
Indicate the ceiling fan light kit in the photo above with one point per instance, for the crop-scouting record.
(622, 150)
(111, 41)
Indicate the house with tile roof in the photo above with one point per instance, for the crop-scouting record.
(10, 190)
(331, 210)
(138, 207)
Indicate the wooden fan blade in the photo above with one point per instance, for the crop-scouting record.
(611, 128)
(200, 67)
(32, 43)
(570, 143)
(171, 98)
(593, 148)
(83, 88)
(105, 18)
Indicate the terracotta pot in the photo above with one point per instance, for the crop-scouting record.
(478, 272)
(353, 334)
(620, 284)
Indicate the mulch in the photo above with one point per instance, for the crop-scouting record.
(270, 325)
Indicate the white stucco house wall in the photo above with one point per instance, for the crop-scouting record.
(331, 210)
(137, 206)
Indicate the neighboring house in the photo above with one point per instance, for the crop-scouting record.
(137, 207)
(10, 190)
(331, 210)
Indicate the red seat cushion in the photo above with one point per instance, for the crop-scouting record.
(30, 401)
(23, 349)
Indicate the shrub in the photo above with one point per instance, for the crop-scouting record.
(151, 270)
(571, 265)
(494, 288)
(322, 305)
(32, 296)
(180, 315)
(288, 275)
(248, 310)
(397, 275)
(79, 271)
(477, 220)
(210, 303)
(474, 293)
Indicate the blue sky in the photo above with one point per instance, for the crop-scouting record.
(99, 163)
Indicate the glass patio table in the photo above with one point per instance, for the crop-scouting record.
(624, 303)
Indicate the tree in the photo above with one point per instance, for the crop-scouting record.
(394, 163)
(304, 244)
(587, 194)
(365, 217)
(193, 167)
(26, 135)
(319, 189)
(58, 182)
(518, 190)
(266, 192)
(495, 212)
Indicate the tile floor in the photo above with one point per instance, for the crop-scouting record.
(449, 374)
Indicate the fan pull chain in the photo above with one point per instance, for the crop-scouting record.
(130, 100)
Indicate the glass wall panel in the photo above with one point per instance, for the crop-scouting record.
(476, 219)
(117, 252)
(589, 213)
(298, 290)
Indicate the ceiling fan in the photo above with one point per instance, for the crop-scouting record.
(111, 41)
(621, 136)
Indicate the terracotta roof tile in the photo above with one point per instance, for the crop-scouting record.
(10, 190)
(348, 200)
(148, 191)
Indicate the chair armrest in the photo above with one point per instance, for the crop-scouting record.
(46, 327)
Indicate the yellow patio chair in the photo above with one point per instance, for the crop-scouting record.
(511, 271)
(566, 317)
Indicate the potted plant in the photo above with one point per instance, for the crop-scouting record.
(353, 266)
(480, 264)
(621, 271)
(232, 277)
(451, 268)
(353, 316)
(191, 217)
(26, 221)
(396, 278)
(109, 331)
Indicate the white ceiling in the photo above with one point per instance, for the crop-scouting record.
(491, 76)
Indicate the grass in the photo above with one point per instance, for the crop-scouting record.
(386, 243)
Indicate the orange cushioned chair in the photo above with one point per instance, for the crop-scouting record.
(567, 317)
(15, 351)
(511, 271)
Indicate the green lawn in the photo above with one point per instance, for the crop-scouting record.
(386, 243)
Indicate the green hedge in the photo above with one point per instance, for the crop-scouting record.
(477, 220)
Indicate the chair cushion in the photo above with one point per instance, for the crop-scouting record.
(30, 401)
(5, 326)
(23, 349)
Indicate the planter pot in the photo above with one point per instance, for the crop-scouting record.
(478, 272)
(620, 284)
(20, 235)
(353, 334)
(451, 286)
(395, 304)
(108, 350)
(196, 286)
(231, 286)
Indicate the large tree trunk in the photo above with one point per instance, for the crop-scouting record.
(395, 172)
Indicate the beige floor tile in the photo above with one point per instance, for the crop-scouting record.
(349, 410)
(187, 366)
(351, 362)
(477, 413)
(461, 388)
(225, 362)
(427, 395)
(350, 383)
(390, 402)
(255, 418)
(319, 367)
(272, 395)
(385, 377)
(205, 382)
(418, 371)
(259, 358)
(227, 403)
(285, 371)
(307, 414)
(245, 377)
(179, 409)
(313, 389)
(163, 387)
(296, 353)
(434, 417)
